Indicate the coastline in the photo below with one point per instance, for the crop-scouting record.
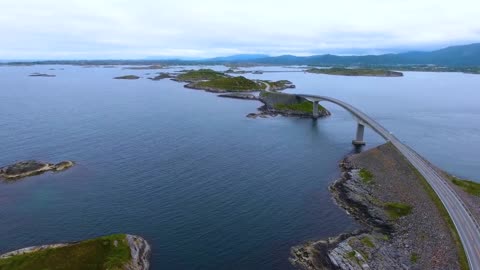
(390, 238)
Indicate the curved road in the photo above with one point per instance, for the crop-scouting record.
(466, 225)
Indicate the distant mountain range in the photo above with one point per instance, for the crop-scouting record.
(455, 56)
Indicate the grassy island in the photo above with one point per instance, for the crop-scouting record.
(287, 104)
(108, 252)
(200, 75)
(356, 72)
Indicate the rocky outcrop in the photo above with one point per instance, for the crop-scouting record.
(288, 105)
(32, 167)
(140, 252)
(36, 74)
(239, 96)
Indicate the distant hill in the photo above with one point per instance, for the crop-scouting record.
(464, 55)
(238, 57)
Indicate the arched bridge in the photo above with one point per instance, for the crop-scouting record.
(467, 227)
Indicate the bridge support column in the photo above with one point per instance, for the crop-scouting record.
(315, 109)
(359, 138)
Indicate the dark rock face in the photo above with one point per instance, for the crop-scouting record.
(32, 167)
(36, 74)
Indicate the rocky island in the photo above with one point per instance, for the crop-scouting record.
(218, 82)
(161, 76)
(404, 223)
(287, 105)
(32, 167)
(355, 72)
(127, 77)
(227, 84)
(36, 74)
(118, 251)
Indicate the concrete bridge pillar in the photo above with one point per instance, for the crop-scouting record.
(315, 109)
(359, 138)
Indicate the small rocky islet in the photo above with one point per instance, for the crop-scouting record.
(36, 74)
(32, 167)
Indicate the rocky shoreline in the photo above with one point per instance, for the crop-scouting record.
(239, 96)
(376, 188)
(32, 167)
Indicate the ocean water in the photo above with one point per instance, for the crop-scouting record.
(206, 186)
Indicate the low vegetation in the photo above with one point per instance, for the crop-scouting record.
(355, 72)
(200, 75)
(367, 242)
(230, 84)
(397, 210)
(127, 77)
(414, 257)
(366, 176)
(306, 107)
(280, 85)
(109, 252)
(468, 186)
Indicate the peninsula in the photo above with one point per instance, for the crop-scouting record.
(115, 252)
(404, 222)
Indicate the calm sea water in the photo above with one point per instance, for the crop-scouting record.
(206, 186)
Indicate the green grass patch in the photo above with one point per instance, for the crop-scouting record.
(306, 107)
(201, 74)
(99, 253)
(355, 72)
(366, 176)
(231, 84)
(414, 257)
(467, 185)
(351, 254)
(396, 209)
(367, 242)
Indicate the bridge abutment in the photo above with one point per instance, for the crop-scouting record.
(359, 136)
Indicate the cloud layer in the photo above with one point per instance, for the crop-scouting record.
(90, 29)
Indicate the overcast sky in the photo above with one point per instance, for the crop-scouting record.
(100, 29)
